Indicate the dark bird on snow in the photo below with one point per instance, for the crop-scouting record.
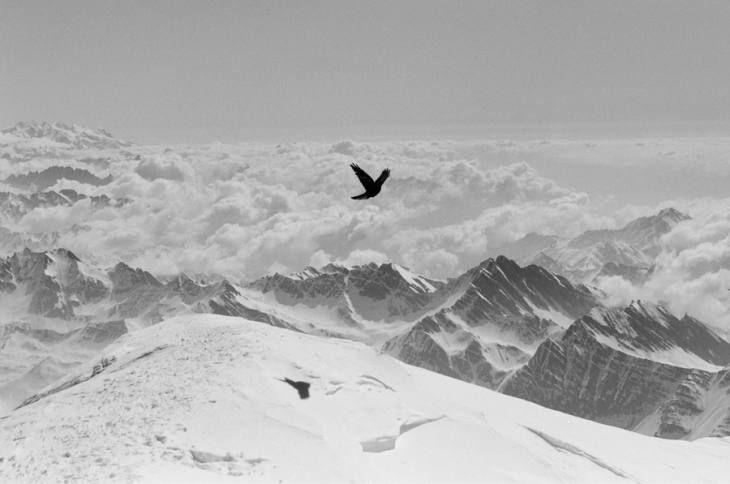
(302, 387)
(372, 187)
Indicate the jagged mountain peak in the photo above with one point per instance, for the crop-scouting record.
(333, 267)
(369, 271)
(500, 262)
(504, 267)
(650, 330)
(617, 318)
(671, 213)
(393, 271)
(660, 222)
(307, 273)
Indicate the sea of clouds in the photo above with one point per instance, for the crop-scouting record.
(245, 210)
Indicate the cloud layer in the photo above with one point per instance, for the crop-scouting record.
(692, 274)
(245, 210)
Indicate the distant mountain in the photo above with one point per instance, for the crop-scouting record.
(629, 251)
(44, 179)
(642, 233)
(639, 368)
(69, 135)
(529, 247)
(354, 296)
(525, 331)
(15, 205)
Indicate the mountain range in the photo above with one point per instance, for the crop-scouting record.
(523, 331)
(61, 135)
(528, 323)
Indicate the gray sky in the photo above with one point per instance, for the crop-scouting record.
(240, 70)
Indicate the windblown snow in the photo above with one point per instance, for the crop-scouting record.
(199, 398)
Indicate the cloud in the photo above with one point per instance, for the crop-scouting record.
(167, 166)
(240, 210)
(692, 274)
(363, 256)
(344, 147)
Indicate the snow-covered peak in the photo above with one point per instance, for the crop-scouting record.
(500, 265)
(201, 398)
(73, 135)
(525, 249)
(651, 227)
(307, 273)
(633, 247)
(672, 215)
(414, 279)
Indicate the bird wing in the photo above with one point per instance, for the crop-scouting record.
(364, 178)
(383, 176)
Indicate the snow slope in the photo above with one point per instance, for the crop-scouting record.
(197, 398)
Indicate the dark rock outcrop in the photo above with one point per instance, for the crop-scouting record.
(638, 368)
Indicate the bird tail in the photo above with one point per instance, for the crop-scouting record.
(362, 196)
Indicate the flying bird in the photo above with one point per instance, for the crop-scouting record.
(372, 187)
(302, 387)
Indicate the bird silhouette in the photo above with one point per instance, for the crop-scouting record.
(372, 187)
(302, 387)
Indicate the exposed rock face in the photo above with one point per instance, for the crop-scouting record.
(52, 281)
(523, 330)
(496, 316)
(134, 291)
(56, 284)
(388, 291)
(227, 301)
(500, 292)
(639, 368)
(373, 292)
(478, 327)
(312, 287)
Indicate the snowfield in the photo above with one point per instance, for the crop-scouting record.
(198, 399)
